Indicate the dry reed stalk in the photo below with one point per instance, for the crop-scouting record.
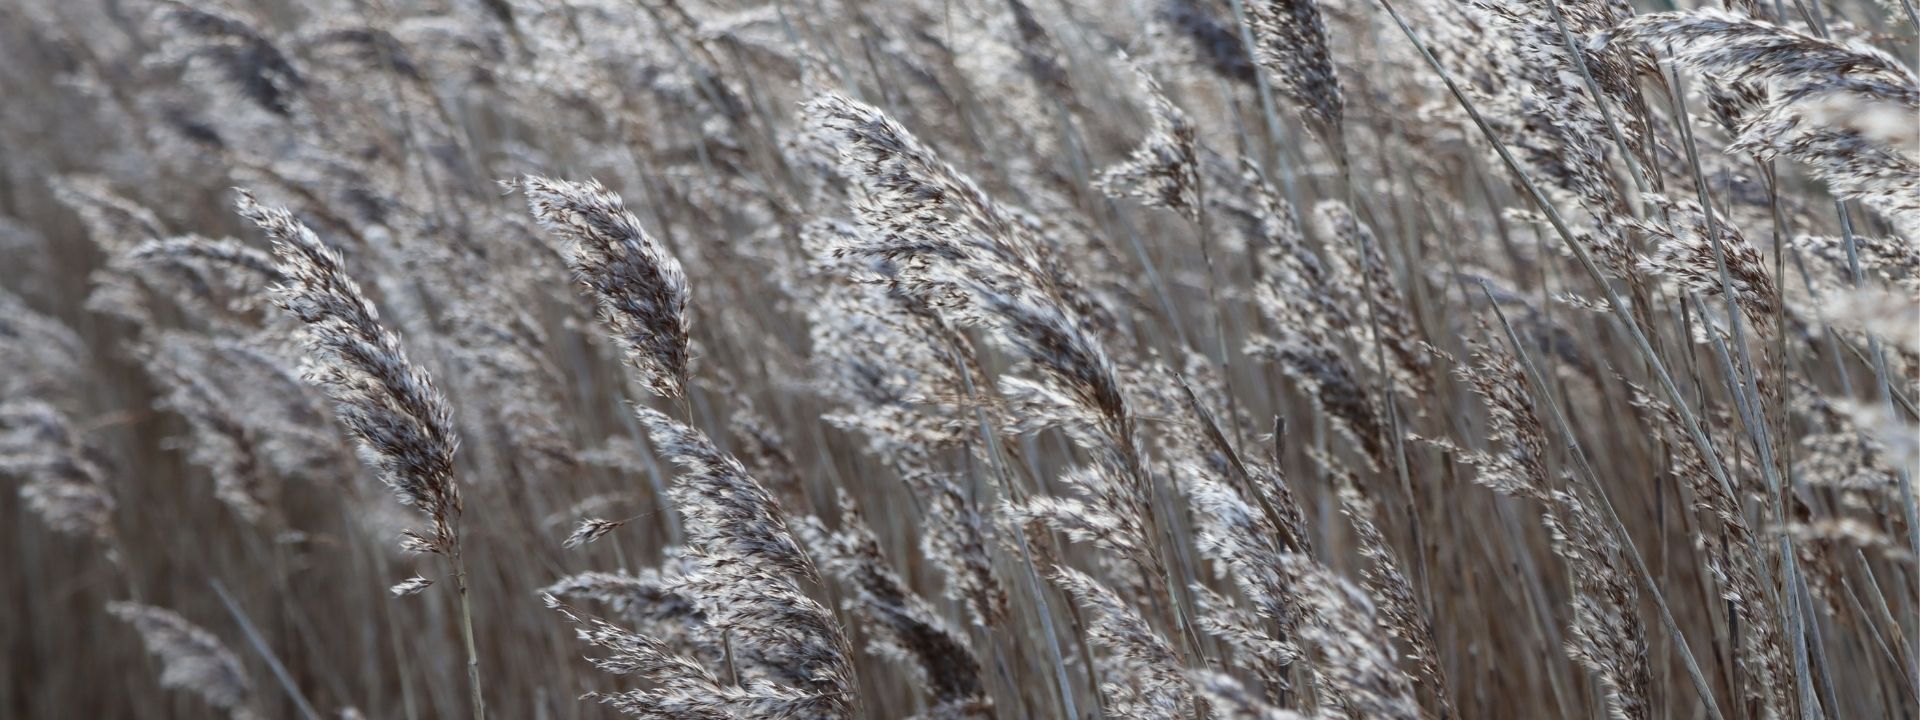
(403, 425)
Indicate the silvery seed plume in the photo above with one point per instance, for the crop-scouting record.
(788, 644)
(1163, 171)
(1554, 123)
(639, 287)
(1252, 646)
(1400, 612)
(654, 602)
(1106, 510)
(955, 538)
(112, 220)
(224, 251)
(1795, 63)
(903, 374)
(1199, 394)
(1893, 318)
(1328, 617)
(1276, 236)
(1608, 638)
(1304, 301)
(1322, 373)
(191, 658)
(1146, 681)
(64, 485)
(42, 355)
(905, 627)
(410, 586)
(896, 367)
(1838, 453)
(1306, 602)
(1739, 561)
(1545, 78)
(247, 61)
(1354, 672)
(589, 530)
(389, 404)
(924, 212)
(1229, 700)
(1684, 253)
(1259, 482)
(1080, 390)
(1290, 41)
(1211, 34)
(1732, 103)
(1606, 633)
(1236, 535)
(1885, 122)
(1889, 260)
(1853, 167)
(220, 281)
(1852, 533)
(682, 687)
(1826, 99)
(649, 597)
(1896, 434)
(1360, 264)
(217, 440)
(941, 227)
(1080, 394)
(1537, 327)
(746, 568)
(729, 514)
(1518, 467)
(619, 455)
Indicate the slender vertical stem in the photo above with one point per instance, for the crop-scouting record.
(466, 630)
(259, 644)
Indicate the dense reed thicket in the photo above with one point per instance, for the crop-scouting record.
(960, 359)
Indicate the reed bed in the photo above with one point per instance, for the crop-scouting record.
(960, 359)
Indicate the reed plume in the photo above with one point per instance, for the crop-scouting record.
(389, 404)
(401, 422)
(64, 485)
(1290, 41)
(906, 626)
(638, 286)
(191, 658)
